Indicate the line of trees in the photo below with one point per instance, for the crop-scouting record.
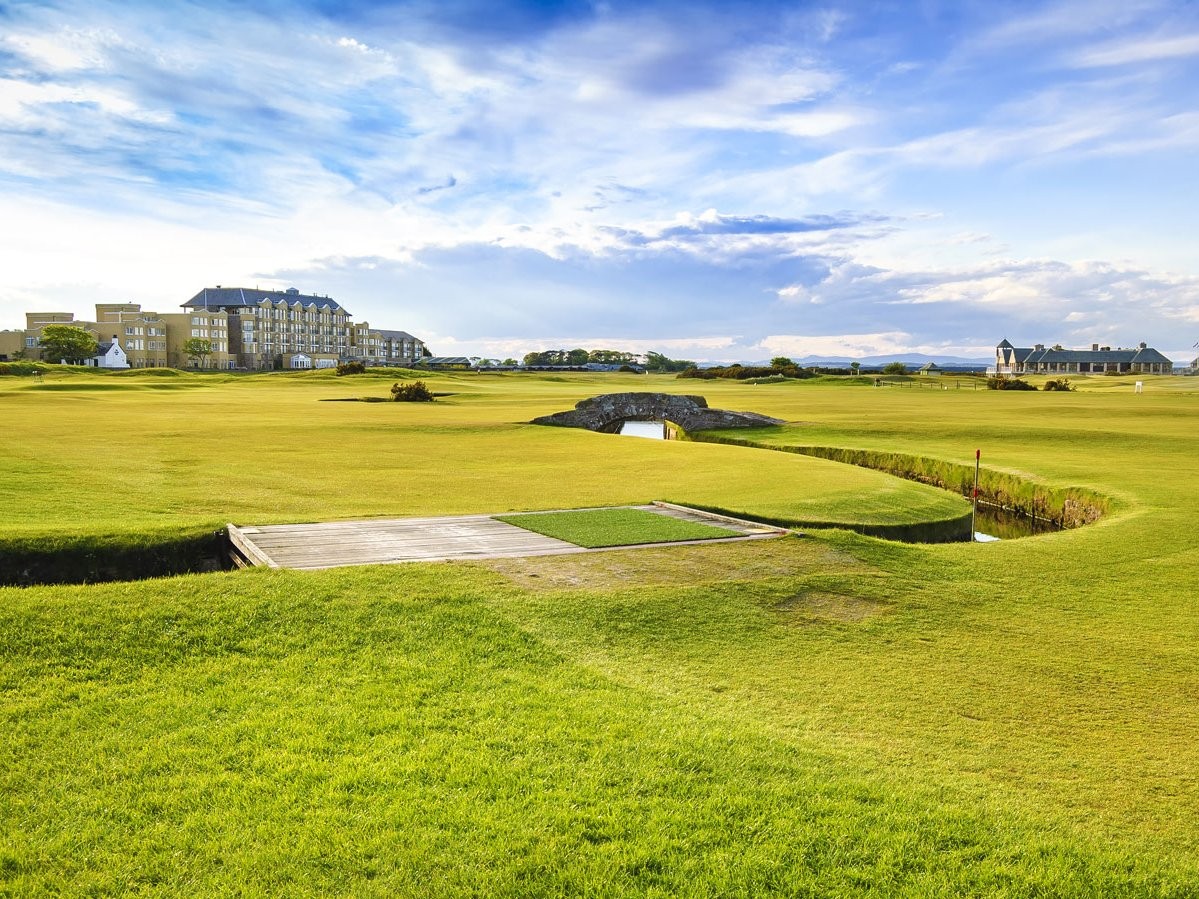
(580, 357)
(651, 360)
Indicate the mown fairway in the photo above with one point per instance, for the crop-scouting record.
(832, 715)
(132, 451)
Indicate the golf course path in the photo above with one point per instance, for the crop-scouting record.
(392, 540)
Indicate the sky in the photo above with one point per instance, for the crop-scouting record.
(715, 181)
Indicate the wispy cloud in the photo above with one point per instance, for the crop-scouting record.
(1136, 51)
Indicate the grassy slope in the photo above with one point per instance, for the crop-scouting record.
(820, 715)
(384, 732)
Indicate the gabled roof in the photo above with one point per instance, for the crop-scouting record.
(1148, 355)
(1004, 345)
(240, 297)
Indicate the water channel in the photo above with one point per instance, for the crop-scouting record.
(990, 524)
(654, 430)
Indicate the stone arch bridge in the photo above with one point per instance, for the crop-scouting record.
(606, 413)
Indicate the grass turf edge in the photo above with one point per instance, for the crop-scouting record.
(596, 528)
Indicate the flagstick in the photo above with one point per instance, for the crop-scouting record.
(974, 509)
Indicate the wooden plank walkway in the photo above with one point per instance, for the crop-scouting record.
(394, 540)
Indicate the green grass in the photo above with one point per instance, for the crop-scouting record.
(594, 528)
(833, 715)
(386, 732)
(263, 449)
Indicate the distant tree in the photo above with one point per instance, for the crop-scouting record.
(895, 368)
(856, 366)
(611, 357)
(661, 362)
(556, 357)
(509, 361)
(426, 352)
(67, 343)
(781, 362)
(197, 350)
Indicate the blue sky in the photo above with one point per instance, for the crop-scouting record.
(714, 181)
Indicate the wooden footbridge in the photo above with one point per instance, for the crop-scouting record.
(393, 540)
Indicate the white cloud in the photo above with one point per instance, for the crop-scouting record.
(1142, 50)
(800, 345)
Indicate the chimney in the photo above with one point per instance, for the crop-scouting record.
(1094, 348)
(1106, 349)
(1142, 345)
(1039, 346)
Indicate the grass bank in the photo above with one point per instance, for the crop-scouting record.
(1068, 507)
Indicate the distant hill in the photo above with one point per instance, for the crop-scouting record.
(912, 360)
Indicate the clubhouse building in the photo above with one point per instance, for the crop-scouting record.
(246, 329)
(1013, 360)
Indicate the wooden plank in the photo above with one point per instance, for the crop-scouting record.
(247, 548)
(393, 541)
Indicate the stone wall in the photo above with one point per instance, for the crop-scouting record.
(610, 410)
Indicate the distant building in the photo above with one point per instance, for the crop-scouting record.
(246, 328)
(109, 355)
(929, 368)
(446, 363)
(1012, 360)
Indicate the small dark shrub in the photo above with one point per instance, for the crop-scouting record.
(350, 368)
(1054, 384)
(416, 392)
(1000, 383)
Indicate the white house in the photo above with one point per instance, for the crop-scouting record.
(110, 355)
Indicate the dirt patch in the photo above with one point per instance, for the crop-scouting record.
(713, 563)
(818, 606)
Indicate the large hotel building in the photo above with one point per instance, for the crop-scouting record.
(246, 329)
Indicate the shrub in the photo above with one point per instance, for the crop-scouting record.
(19, 368)
(1054, 384)
(350, 368)
(745, 372)
(895, 368)
(998, 382)
(416, 392)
